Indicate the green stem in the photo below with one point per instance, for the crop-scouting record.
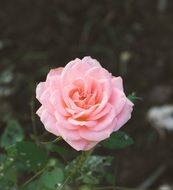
(50, 142)
(78, 165)
(33, 177)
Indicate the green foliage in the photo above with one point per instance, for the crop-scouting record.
(31, 155)
(133, 98)
(8, 172)
(62, 151)
(13, 133)
(34, 185)
(53, 178)
(48, 173)
(94, 169)
(118, 140)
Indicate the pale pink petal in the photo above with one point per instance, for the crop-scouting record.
(94, 136)
(54, 72)
(85, 64)
(49, 122)
(45, 101)
(40, 89)
(82, 123)
(101, 106)
(124, 115)
(90, 135)
(64, 122)
(98, 73)
(86, 113)
(68, 101)
(118, 100)
(106, 86)
(71, 111)
(78, 145)
(69, 74)
(39, 111)
(67, 134)
(105, 121)
(88, 84)
(105, 111)
(58, 103)
(54, 84)
(117, 82)
(91, 62)
(82, 144)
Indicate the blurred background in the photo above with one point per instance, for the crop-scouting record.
(131, 38)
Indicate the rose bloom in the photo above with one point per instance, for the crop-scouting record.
(83, 103)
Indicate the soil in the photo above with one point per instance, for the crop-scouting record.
(131, 38)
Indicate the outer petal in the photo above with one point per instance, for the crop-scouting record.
(117, 82)
(54, 72)
(64, 122)
(77, 69)
(67, 134)
(49, 122)
(58, 103)
(40, 89)
(82, 144)
(98, 73)
(69, 74)
(124, 115)
(82, 123)
(45, 101)
(118, 100)
(104, 122)
(84, 65)
(78, 145)
(91, 62)
(97, 135)
(39, 111)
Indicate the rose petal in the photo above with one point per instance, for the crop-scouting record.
(67, 134)
(117, 82)
(58, 103)
(91, 62)
(117, 100)
(49, 122)
(69, 71)
(105, 111)
(105, 121)
(82, 123)
(39, 111)
(82, 144)
(98, 73)
(85, 113)
(124, 115)
(54, 72)
(69, 102)
(101, 106)
(40, 89)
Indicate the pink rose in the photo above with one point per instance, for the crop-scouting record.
(83, 103)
